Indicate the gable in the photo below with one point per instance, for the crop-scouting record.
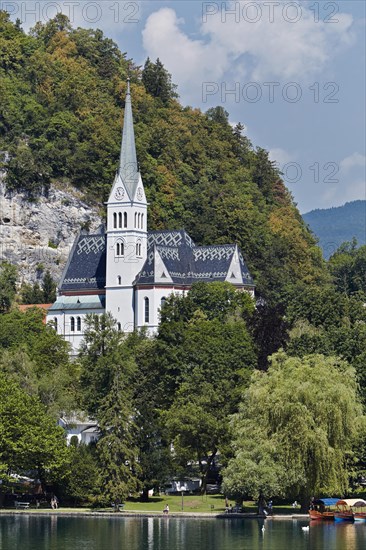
(161, 271)
(234, 274)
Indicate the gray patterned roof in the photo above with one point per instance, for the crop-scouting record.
(86, 267)
(183, 261)
(169, 238)
(187, 263)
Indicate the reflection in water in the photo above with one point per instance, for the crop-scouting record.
(167, 533)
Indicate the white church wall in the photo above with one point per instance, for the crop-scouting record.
(120, 304)
(155, 296)
(71, 325)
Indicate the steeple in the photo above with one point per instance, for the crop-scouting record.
(128, 167)
(126, 247)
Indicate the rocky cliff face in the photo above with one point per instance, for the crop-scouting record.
(36, 236)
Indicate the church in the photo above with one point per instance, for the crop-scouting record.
(129, 271)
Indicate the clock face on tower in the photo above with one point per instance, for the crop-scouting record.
(120, 193)
(140, 194)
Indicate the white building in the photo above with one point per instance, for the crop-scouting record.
(128, 270)
(84, 429)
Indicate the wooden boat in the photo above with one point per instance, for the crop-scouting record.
(321, 508)
(358, 508)
(344, 510)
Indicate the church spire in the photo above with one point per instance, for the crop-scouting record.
(128, 167)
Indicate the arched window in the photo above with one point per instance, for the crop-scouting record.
(135, 219)
(120, 249)
(78, 324)
(120, 220)
(138, 220)
(147, 310)
(119, 280)
(114, 220)
(55, 323)
(162, 302)
(142, 221)
(72, 324)
(138, 249)
(125, 219)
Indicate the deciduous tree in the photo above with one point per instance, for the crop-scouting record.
(29, 437)
(296, 430)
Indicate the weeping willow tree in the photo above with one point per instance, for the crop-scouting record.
(296, 430)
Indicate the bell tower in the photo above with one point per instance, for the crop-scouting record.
(126, 228)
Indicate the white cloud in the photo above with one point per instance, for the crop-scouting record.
(351, 184)
(338, 195)
(258, 51)
(356, 160)
(187, 59)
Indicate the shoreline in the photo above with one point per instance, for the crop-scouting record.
(138, 514)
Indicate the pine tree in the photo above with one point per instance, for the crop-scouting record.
(218, 114)
(8, 278)
(116, 448)
(49, 288)
(265, 173)
(31, 294)
(157, 81)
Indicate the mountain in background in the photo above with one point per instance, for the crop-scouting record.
(333, 226)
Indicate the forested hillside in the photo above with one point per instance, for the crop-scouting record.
(61, 113)
(334, 226)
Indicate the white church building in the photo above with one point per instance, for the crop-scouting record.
(129, 271)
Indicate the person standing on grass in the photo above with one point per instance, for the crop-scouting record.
(166, 509)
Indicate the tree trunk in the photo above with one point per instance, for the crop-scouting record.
(42, 478)
(262, 504)
(205, 470)
(145, 494)
(304, 502)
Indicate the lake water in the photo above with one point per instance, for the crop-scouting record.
(28, 532)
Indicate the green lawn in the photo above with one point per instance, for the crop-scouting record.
(191, 503)
(197, 503)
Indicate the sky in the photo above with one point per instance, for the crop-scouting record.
(292, 72)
